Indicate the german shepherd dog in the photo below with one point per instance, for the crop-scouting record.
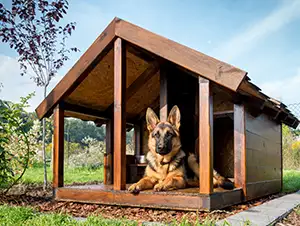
(165, 170)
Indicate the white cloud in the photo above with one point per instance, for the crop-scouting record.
(15, 85)
(286, 90)
(286, 13)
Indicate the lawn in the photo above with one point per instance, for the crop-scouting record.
(35, 175)
(15, 216)
(291, 180)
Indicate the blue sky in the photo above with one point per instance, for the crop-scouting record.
(260, 37)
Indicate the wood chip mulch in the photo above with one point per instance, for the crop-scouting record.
(292, 219)
(35, 197)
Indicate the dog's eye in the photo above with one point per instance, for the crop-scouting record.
(169, 134)
(156, 135)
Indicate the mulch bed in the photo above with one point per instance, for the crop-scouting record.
(35, 197)
(292, 219)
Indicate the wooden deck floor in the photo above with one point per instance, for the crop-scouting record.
(104, 187)
(182, 199)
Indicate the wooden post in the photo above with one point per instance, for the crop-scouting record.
(58, 155)
(163, 94)
(240, 147)
(119, 115)
(108, 163)
(205, 136)
(137, 139)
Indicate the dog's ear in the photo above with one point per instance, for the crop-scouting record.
(174, 117)
(152, 119)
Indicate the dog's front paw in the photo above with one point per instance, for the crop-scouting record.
(135, 188)
(160, 187)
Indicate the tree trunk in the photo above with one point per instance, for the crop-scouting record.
(44, 146)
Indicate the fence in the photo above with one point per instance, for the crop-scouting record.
(291, 142)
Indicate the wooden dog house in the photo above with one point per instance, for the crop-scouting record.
(128, 69)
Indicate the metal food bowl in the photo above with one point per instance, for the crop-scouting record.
(141, 159)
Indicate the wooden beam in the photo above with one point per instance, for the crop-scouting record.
(108, 165)
(58, 155)
(134, 87)
(206, 66)
(205, 136)
(119, 115)
(163, 102)
(77, 109)
(141, 53)
(137, 139)
(79, 71)
(240, 148)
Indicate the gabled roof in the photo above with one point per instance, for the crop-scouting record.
(221, 73)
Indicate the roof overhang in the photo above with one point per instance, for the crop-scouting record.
(223, 74)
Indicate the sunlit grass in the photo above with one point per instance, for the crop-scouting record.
(15, 216)
(35, 175)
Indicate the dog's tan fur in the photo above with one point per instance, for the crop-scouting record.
(167, 172)
(163, 172)
(218, 180)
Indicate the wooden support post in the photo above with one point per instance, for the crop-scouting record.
(58, 155)
(163, 94)
(137, 139)
(108, 163)
(205, 136)
(281, 159)
(240, 147)
(119, 115)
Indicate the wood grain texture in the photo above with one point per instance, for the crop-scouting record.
(264, 156)
(108, 167)
(203, 65)
(119, 115)
(79, 71)
(58, 155)
(144, 199)
(240, 173)
(205, 137)
(262, 188)
(137, 139)
(182, 199)
(137, 84)
(220, 200)
(163, 113)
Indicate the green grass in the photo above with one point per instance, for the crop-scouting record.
(291, 180)
(24, 216)
(35, 175)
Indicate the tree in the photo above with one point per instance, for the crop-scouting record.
(33, 29)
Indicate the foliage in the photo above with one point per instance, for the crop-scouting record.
(91, 156)
(291, 148)
(77, 130)
(32, 28)
(15, 142)
(291, 180)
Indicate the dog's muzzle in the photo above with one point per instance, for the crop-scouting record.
(163, 149)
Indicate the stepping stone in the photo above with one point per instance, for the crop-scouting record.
(265, 214)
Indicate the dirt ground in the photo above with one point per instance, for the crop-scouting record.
(35, 197)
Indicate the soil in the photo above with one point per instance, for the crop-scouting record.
(292, 219)
(34, 196)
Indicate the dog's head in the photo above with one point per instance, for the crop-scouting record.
(164, 137)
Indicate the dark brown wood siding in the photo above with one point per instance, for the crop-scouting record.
(263, 156)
